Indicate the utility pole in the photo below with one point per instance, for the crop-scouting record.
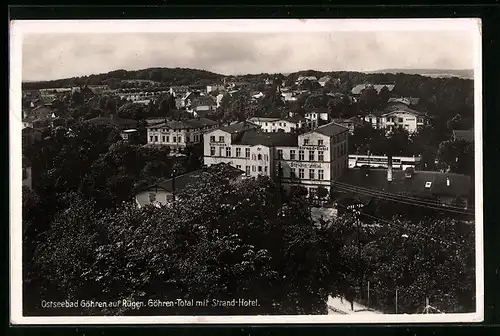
(396, 300)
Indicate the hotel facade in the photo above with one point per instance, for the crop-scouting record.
(313, 159)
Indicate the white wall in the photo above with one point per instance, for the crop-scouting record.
(161, 196)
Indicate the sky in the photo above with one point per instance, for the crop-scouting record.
(47, 56)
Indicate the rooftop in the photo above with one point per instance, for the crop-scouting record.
(184, 124)
(460, 185)
(359, 88)
(185, 180)
(467, 135)
(269, 139)
(239, 127)
(330, 129)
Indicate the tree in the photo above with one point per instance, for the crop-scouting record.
(383, 97)
(368, 100)
(457, 156)
(132, 111)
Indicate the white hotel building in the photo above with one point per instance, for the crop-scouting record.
(310, 160)
(397, 115)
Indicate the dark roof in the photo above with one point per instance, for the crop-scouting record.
(467, 135)
(115, 121)
(330, 129)
(295, 118)
(257, 137)
(359, 88)
(397, 107)
(182, 181)
(204, 100)
(239, 127)
(184, 124)
(377, 179)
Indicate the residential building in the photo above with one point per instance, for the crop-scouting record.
(467, 135)
(165, 192)
(26, 173)
(319, 158)
(202, 105)
(179, 91)
(179, 134)
(359, 88)
(316, 116)
(112, 120)
(301, 79)
(446, 188)
(130, 135)
(397, 115)
(287, 125)
(214, 87)
(350, 123)
(323, 80)
(243, 146)
(404, 100)
(311, 160)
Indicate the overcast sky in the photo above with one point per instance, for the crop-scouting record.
(56, 55)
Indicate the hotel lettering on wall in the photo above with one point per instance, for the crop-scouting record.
(305, 165)
(311, 147)
(220, 144)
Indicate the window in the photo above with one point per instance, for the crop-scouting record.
(311, 174)
(174, 139)
(179, 139)
(238, 166)
(400, 119)
(168, 138)
(220, 151)
(228, 151)
(301, 155)
(156, 138)
(259, 157)
(221, 139)
(163, 138)
(253, 168)
(292, 173)
(280, 154)
(254, 157)
(238, 152)
(306, 142)
(212, 138)
(265, 169)
(321, 174)
(151, 138)
(311, 155)
(247, 152)
(247, 170)
(212, 151)
(187, 138)
(266, 157)
(260, 169)
(321, 156)
(274, 124)
(292, 154)
(320, 142)
(266, 124)
(301, 173)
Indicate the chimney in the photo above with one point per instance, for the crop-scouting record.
(389, 168)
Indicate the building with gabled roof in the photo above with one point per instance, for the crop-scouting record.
(358, 89)
(397, 115)
(178, 134)
(164, 192)
(286, 125)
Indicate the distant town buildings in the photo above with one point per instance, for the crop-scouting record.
(287, 125)
(397, 115)
(358, 89)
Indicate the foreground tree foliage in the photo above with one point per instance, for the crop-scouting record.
(217, 241)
